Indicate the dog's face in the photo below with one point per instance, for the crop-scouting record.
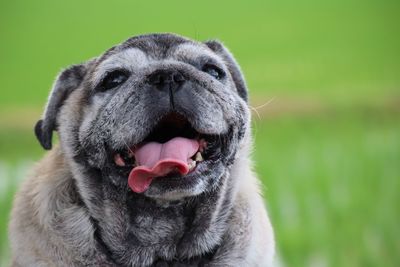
(158, 115)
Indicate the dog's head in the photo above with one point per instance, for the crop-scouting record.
(158, 115)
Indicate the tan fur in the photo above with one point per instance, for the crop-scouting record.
(44, 198)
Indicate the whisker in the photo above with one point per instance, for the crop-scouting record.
(255, 109)
(266, 103)
(129, 149)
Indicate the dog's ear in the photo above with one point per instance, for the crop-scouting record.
(232, 65)
(67, 81)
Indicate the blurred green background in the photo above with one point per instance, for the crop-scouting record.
(324, 80)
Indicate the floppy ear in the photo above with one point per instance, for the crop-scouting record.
(232, 65)
(67, 81)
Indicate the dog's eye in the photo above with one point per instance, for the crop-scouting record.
(214, 71)
(113, 79)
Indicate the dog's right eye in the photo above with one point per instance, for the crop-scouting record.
(214, 71)
(113, 79)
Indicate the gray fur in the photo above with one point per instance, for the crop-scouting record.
(77, 210)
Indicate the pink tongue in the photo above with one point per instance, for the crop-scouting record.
(155, 160)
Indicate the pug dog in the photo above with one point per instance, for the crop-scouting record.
(153, 164)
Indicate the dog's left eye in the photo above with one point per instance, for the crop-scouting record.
(214, 71)
(113, 79)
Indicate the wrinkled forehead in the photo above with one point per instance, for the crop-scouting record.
(133, 55)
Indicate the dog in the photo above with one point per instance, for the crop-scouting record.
(152, 167)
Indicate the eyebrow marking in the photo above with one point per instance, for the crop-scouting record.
(196, 52)
(128, 59)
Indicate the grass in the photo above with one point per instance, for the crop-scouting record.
(331, 185)
(327, 147)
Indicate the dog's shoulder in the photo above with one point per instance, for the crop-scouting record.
(40, 190)
(47, 218)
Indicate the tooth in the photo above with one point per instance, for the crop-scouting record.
(118, 160)
(198, 157)
(191, 164)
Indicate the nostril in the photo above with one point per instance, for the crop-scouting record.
(163, 77)
(156, 78)
(178, 78)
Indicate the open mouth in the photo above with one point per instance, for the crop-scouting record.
(173, 147)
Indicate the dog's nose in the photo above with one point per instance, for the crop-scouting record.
(166, 79)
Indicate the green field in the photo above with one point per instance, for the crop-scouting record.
(327, 142)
